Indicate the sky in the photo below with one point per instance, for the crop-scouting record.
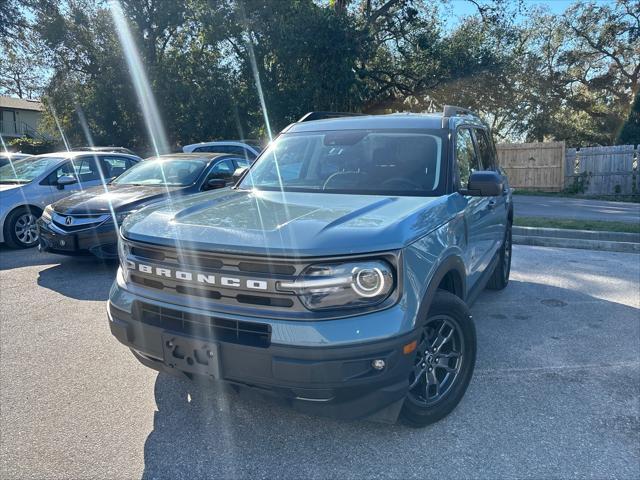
(463, 8)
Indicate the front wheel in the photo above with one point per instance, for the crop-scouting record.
(21, 230)
(444, 363)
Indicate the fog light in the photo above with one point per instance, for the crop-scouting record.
(378, 364)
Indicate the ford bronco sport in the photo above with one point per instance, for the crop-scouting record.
(337, 273)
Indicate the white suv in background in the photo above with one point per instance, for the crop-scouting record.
(27, 186)
(249, 149)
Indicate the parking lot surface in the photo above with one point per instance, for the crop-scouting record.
(555, 394)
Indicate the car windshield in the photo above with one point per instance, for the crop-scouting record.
(25, 170)
(172, 172)
(377, 162)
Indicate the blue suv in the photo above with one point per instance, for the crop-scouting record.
(337, 273)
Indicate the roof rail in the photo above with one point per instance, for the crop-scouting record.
(453, 111)
(324, 115)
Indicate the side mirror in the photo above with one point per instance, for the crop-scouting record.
(237, 175)
(484, 184)
(66, 180)
(215, 183)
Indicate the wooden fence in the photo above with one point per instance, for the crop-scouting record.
(534, 166)
(603, 170)
(591, 170)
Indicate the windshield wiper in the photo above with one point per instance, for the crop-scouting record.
(11, 182)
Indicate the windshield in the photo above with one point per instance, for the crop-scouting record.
(25, 170)
(352, 161)
(174, 172)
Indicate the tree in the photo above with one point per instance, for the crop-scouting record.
(630, 133)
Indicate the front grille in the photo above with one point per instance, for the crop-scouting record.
(217, 266)
(78, 222)
(204, 326)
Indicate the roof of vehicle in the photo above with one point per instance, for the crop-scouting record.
(391, 121)
(236, 143)
(204, 156)
(63, 154)
(110, 149)
(16, 155)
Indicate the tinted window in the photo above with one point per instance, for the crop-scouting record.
(466, 157)
(115, 166)
(213, 149)
(242, 162)
(351, 161)
(87, 169)
(223, 169)
(487, 154)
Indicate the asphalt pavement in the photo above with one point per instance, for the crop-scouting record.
(555, 394)
(575, 208)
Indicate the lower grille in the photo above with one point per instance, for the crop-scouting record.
(204, 326)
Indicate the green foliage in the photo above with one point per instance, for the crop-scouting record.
(212, 64)
(32, 146)
(630, 132)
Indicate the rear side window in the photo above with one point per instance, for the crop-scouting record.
(115, 166)
(485, 147)
(466, 157)
(88, 170)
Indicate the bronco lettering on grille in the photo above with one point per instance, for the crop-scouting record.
(203, 278)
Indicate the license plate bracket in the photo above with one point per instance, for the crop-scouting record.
(191, 355)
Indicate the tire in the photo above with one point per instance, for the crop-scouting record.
(500, 277)
(20, 229)
(449, 362)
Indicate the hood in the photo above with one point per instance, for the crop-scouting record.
(299, 224)
(118, 197)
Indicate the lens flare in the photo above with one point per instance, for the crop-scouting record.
(150, 111)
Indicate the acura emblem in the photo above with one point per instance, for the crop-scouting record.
(68, 220)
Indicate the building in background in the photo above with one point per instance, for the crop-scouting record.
(19, 117)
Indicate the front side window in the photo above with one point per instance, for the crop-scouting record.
(487, 154)
(376, 162)
(466, 157)
(24, 171)
(163, 171)
(223, 169)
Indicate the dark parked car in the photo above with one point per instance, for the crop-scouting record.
(337, 273)
(87, 222)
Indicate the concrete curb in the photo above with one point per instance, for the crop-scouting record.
(586, 239)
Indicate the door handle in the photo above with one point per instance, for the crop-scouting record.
(492, 204)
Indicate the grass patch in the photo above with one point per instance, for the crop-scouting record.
(609, 198)
(597, 225)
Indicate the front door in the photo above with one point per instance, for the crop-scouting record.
(478, 212)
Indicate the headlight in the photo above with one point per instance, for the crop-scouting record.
(342, 285)
(123, 253)
(46, 215)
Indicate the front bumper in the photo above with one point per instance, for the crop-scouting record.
(101, 241)
(337, 381)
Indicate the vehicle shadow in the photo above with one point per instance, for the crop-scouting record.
(546, 371)
(16, 258)
(80, 278)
